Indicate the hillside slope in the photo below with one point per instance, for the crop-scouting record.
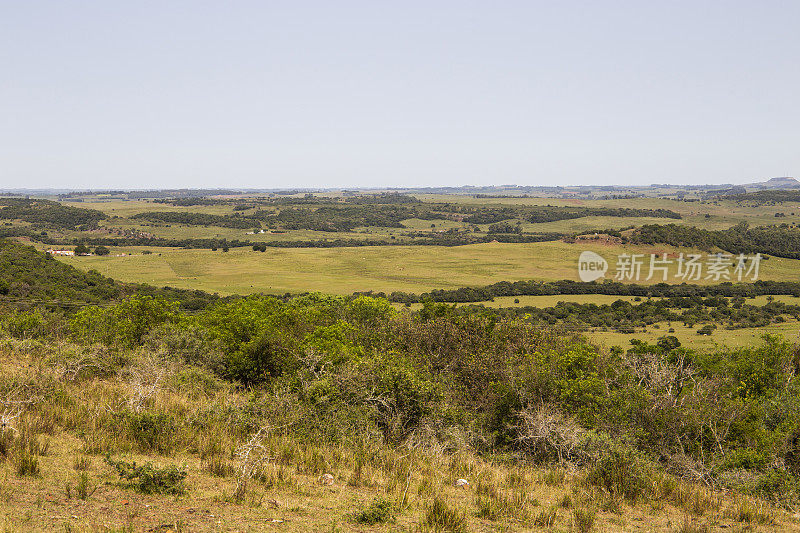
(29, 277)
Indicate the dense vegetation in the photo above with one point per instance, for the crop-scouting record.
(48, 214)
(769, 197)
(780, 241)
(197, 219)
(29, 278)
(345, 218)
(136, 195)
(624, 316)
(258, 391)
(607, 287)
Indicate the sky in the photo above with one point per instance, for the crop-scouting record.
(272, 94)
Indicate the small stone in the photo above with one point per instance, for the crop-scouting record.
(461, 484)
(326, 479)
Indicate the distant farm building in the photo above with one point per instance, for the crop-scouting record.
(60, 252)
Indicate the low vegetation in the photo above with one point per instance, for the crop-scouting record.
(278, 393)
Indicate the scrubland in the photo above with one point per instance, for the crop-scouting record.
(342, 414)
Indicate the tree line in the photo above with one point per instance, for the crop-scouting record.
(778, 240)
(198, 219)
(608, 287)
(625, 316)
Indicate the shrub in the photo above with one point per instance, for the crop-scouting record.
(82, 488)
(747, 458)
(621, 471)
(187, 342)
(152, 432)
(778, 486)
(124, 324)
(378, 512)
(708, 329)
(547, 434)
(27, 325)
(400, 395)
(148, 479)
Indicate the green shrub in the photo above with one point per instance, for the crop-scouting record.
(187, 342)
(378, 512)
(152, 432)
(26, 324)
(82, 488)
(124, 324)
(621, 471)
(148, 479)
(778, 486)
(401, 394)
(747, 458)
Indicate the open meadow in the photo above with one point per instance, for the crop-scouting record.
(376, 268)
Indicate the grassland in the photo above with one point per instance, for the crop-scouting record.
(384, 268)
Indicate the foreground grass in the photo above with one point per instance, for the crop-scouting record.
(75, 405)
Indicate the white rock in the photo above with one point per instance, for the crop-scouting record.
(461, 483)
(326, 479)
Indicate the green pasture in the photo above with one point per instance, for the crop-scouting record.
(378, 268)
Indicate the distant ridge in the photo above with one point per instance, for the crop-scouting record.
(777, 183)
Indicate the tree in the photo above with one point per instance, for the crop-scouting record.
(708, 329)
(101, 250)
(82, 250)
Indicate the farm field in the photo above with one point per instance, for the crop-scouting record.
(380, 269)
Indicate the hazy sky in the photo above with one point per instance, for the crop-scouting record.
(112, 94)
